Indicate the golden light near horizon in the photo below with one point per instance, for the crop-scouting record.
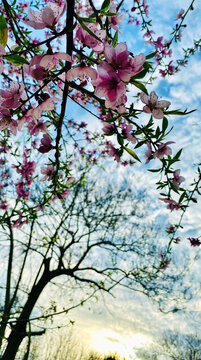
(108, 341)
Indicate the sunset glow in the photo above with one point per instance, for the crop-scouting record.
(108, 341)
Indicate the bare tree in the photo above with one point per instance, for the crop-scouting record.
(175, 346)
(95, 239)
(180, 346)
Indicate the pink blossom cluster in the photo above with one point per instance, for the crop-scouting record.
(114, 73)
(40, 64)
(10, 98)
(26, 170)
(115, 19)
(162, 150)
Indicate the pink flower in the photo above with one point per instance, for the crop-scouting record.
(126, 132)
(179, 15)
(171, 68)
(7, 122)
(153, 105)
(108, 85)
(164, 262)
(149, 33)
(48, 172)
(12, 97)
(170, 229)
(26, 170)
(137, 63)
(163, 150)
(3, 205)
(2, 52)
(35, 114)
(118, 57)
(162, 72)
(51, 61)
(39, 64)
(158, 43)
(81, 73)
(124, 65)
(88, 40)
(194, 241)
(63, 195)
(112, 151)
(70, 179)
(45, 145)
(145, 7)
(21, 191)
(171, 204)
(19, 222)
(115, 19)
(39, 126)
(148, 153)
(108, 128)
(177, 179)
(48, 17)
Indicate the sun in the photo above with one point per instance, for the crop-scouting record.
(108, 341)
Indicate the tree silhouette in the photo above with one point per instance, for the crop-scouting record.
(81, 245)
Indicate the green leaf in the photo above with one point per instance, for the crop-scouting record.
(157, 133)
(120, 139)
(16, 60)
(105, 5)
(3, 31)
(177, 156)
(182, 197)
(72, 27)
(140, 75)
(154, 170)
(115, 39)
(139, 85)
(132, 153)
(150, 56)
(140, 143)
(107, 13)
(89, 19)
(178, 112)
(164, 124)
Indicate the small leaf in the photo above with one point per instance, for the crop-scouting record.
(177, 156)
(72, 27)
(182, 197)
(140, 143)
(132, 153)
(107, 13)
(139, 85)
(178, 112)
(120, 139)
(89, 19)
(105, 5)
(16, 60)
(140, 75)
(164, 124)
(154, 170)
(157, 133)
(3, 31)
(115, 39)
(150, 56)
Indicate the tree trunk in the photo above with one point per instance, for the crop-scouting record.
(19, 330)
